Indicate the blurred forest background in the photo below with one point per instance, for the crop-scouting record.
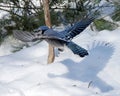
(26, 15)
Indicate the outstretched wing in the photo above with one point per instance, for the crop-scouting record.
(31, 37)
(77, 28)
(24, 36)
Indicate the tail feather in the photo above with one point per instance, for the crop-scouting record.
(24, 36)
(77, 49)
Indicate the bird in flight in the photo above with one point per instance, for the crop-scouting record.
(58, 39)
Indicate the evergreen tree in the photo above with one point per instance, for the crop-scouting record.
(25, 15)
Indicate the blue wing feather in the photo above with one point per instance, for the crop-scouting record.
(77, 49)
(77, 28)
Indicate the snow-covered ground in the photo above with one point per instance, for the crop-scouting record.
(25, 73)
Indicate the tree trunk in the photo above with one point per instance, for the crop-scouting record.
(51, 54)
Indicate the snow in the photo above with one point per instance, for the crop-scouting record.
(25, 73)
(3, 13)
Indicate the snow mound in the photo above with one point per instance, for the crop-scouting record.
(25, 73)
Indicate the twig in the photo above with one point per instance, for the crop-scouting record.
(90, 84)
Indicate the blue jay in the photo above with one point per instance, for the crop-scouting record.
(58, 39)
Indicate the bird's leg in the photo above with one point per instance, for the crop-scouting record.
(58, 50)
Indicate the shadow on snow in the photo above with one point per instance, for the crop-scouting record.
(88, 69)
